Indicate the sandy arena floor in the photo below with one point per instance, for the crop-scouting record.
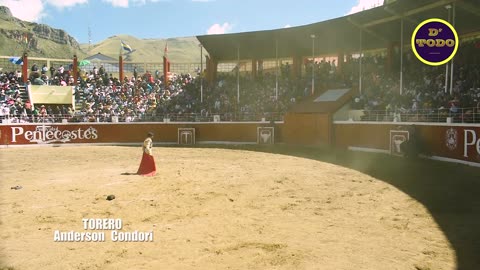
(209, 209)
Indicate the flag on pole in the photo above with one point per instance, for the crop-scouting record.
(16, 60)
(126, 47)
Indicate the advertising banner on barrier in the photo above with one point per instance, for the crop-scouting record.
(73, 133)
(49, 133)
(457, 142)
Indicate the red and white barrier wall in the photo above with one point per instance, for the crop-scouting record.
(448, 142)
(124, 133)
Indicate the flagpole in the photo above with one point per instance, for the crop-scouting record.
(448, 7)
(276, 69)
(201, 73)
(75, 69)
(401, 56)
(25, 60)
(120, 70)
(120, 63)
(25, 67)
(313, 63)
(360, 64)
(165, 51)
(451, 62)
(165, 64)
(238, 76)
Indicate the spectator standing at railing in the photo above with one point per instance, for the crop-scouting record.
(5, 110)
(35, 112)
(44, 78)
(44, 69)
(28, 107)
(453, 109)
(16, 108)
(150, 78)
(37, 80)
(2, 95)
(43, 111)
(414, 106)
(2, 110)
(61, 70)
(70, 80)
(52, 71)
(101, 70)
(34, 68)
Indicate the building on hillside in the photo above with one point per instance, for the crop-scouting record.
(109, 64)
(100, 57)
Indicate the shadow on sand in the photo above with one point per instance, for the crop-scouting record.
(451, 192)
(127, 173)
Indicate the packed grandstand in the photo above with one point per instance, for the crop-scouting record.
(427, 93)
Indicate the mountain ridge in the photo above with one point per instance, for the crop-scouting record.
(41, 40)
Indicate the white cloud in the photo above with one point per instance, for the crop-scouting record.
(287, 26)
(27, 10)
(126, 3)
(118, 3)
(143, 2)
(65, 3)
(219, 29)
(365, 4)
(34, 10)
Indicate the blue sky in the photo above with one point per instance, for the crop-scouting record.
(177, 18)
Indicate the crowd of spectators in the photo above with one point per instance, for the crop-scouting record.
(18, 107)
(11, 101)
(52, 75)
(146, 97)
(424, 96)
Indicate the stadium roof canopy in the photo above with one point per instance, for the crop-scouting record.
(380, 27)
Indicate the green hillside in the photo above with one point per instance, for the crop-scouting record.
(180, 50)
(42, 40)
(47, 42)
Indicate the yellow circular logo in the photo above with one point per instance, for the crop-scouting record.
(435, 42)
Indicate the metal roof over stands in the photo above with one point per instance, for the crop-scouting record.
(100, 57)
(329, 101)
(380, 27)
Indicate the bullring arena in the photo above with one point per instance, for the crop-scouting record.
(210, 209)
(243, 206)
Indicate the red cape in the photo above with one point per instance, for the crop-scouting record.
(147, 166)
